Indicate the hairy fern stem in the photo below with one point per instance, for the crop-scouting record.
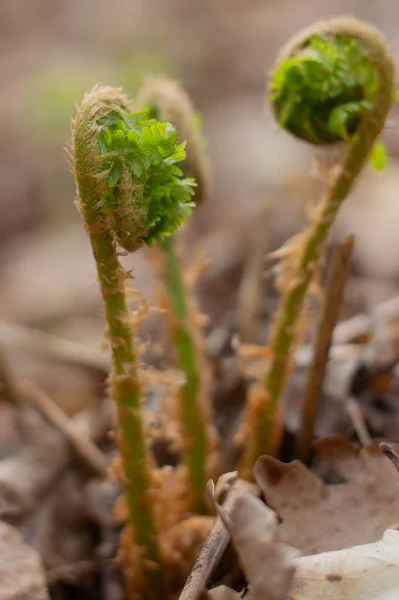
(333, 82)
(129, 193)
(167, 101)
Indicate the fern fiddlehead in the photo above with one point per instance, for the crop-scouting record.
(333, 82)
(167, 101)
(130, 193)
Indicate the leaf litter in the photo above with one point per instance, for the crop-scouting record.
(334, 526)
(366, 572)
(316, 517)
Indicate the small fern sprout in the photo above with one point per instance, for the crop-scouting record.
(168, 101)
(130, 193)
(333, 82)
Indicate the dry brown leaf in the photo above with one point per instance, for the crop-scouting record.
(217, 493)
(317, 517)
(366, 572)
(268, 565)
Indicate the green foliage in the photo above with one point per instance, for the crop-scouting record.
(168, 101)
(320, 93)
(140, 156)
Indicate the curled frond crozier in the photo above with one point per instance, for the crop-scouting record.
(167, 101)
(333, 82)
(130, 159)
(130, 193)
(328, 78)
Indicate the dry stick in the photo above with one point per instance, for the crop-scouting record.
(19, 394)
(213, 550)
(47, 344)
(339, 270)
(207, 561)
(356, 416)
(82, 445)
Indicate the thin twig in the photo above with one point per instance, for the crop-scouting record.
(47, 344)
(213, 550)
(338, 273)
(390, 453)
(358, 423)
(82, 445)
(20, 393)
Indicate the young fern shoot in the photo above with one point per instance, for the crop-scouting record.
(333, 82)
(167, 101)
(130, 193)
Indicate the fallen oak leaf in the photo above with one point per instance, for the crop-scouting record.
(316, 517)
(366, 572)
(267, 565)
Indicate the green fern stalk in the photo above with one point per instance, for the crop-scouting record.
(334, 82)
(130, 192)
(192, 418)
(168, 101)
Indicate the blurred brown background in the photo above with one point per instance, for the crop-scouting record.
(221, 50)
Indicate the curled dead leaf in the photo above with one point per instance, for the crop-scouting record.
(218, 492)
(268, 565)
